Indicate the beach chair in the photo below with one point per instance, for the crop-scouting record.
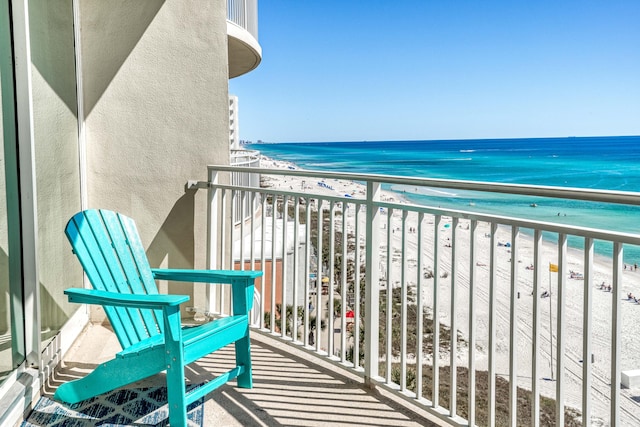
(147, 323)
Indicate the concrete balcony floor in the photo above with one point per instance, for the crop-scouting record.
(291, 387)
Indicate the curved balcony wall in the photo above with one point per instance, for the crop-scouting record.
(245, 52)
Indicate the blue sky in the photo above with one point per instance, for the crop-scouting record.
(354, 70)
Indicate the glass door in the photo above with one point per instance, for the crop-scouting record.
(12, 342)
(37, 199)
(6, 363)
(57, 173)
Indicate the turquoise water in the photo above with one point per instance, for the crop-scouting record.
(610, 163)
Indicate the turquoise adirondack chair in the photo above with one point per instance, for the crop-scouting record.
(147, 323)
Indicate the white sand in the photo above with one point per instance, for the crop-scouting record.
(574, 293)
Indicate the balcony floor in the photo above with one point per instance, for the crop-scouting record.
(291, 387)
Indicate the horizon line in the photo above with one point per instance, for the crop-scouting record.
(443, 139)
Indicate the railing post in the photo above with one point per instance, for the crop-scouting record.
(560, 328)
(212, 235)
(319, 277)
(473, 282)
(283, 277)
(513, 330)
(389, 298)
(618, 261)
(332, 273)
(244, 14)
(535, 333)
(372, 283)
(587, 363)
(435, 376)
(493, 278)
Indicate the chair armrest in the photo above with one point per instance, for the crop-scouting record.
(156, 302)
(241, 283)
(205, 276)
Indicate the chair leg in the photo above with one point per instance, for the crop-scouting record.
(176, 396)
(243, 357)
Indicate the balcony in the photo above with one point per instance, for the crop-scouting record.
(381, 294)
(246, 158)
(291, 387)
(245, 52)
(524, 297)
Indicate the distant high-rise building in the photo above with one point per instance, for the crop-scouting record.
(234, 130)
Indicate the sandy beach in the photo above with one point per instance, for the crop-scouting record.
(573, 292)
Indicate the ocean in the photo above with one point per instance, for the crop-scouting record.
(609, 163)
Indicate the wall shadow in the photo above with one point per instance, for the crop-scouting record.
(111, 32)
(52, 47)
(123, 26)
(175, 240)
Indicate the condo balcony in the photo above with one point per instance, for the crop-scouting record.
(245, 52)
(373, 310)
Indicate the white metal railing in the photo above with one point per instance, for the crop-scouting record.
(250, 159)
(244, 13)
(408, 284)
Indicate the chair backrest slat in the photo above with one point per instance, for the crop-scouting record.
(130, 252)
(134, 327)
(102, 244)
(139, 255)
(83, 246)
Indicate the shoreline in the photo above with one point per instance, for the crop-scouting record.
(573, 300)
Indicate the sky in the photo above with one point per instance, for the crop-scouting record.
(355, 70)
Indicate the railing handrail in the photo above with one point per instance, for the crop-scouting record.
(573, 193)
(241, 158)
(241, 152)
(552, 227)
(241, 163)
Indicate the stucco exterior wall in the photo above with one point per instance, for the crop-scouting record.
(156, 113)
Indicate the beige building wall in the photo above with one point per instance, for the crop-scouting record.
(155, 84)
